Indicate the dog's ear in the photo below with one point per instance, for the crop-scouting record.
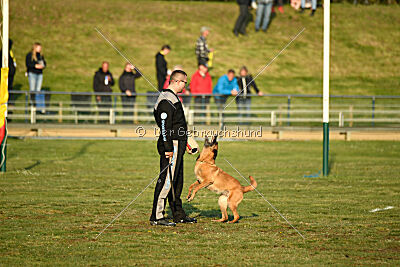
(206, 142)
(214, 141)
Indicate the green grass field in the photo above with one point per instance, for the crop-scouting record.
(364, 44)
(57, 195)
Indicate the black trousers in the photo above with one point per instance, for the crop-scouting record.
(241, 22)
(128, 103)
(160, 82)
(163, 188)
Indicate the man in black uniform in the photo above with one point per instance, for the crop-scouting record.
(171, 145)
(161, 66)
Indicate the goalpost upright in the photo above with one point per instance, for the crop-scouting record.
(325, 119)
(4, 86)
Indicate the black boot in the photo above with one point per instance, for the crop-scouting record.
(163, 222)
(312, 12)
(187, 219)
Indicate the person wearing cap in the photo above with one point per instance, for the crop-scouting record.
(202, 50)
(201, 83)
(161, 66)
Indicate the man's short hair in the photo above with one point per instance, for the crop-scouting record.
(105, 62)
(231, 71)
(166, 47)
(175, 74)
(202, 63)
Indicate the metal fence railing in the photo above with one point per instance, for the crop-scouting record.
(271, 109)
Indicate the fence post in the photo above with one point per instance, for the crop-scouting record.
(33, 115)
(288, 110)
(60, 105)
(191, 117)
(373, 111)
(26, 106)
(112, 116)
(273, 119)
(341, 119)
(351, 116)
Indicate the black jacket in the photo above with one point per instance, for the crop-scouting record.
(170, 118)
(11, 66)
(99, 84)
(30, 63)
(248, 79)
(127, 81)
(161, 66)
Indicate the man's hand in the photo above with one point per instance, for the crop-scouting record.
(98, 98)
(128, 92)
(211, 49)
(260, 93)
(39, 66)
(234, 92)
(169, 154)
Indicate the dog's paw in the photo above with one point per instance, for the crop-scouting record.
(190, 198)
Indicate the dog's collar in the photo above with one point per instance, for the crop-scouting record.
(207, 163)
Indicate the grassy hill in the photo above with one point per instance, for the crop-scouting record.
(365, 51)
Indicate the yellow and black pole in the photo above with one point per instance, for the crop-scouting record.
(325, 100)
(4, 89)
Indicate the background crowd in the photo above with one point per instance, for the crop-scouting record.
(239, 84)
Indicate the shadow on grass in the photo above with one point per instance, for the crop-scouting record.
(37, 163)
(215, 214)
(81, 152)
(78, 154)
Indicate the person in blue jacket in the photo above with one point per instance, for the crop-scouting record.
(227, 85)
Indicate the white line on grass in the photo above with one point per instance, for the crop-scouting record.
(266, 66)
(266, 199)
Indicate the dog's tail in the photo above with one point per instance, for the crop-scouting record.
(250, 187)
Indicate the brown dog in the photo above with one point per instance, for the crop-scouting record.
(210, 176)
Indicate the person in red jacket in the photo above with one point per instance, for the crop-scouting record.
(201, 84)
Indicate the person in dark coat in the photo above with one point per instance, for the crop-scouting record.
(102, 82)
(161, 66)
(12, 67)
(127, 86)
(241, 22)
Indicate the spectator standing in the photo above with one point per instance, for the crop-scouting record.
(241, 21)
(12, 66)
(227, 85)
(313, 6)
(201, 83)
(102, 82)
(202, 51)
(127, 86)
(263, 14)
(243, 100)
(161, 66)
(35, 63)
